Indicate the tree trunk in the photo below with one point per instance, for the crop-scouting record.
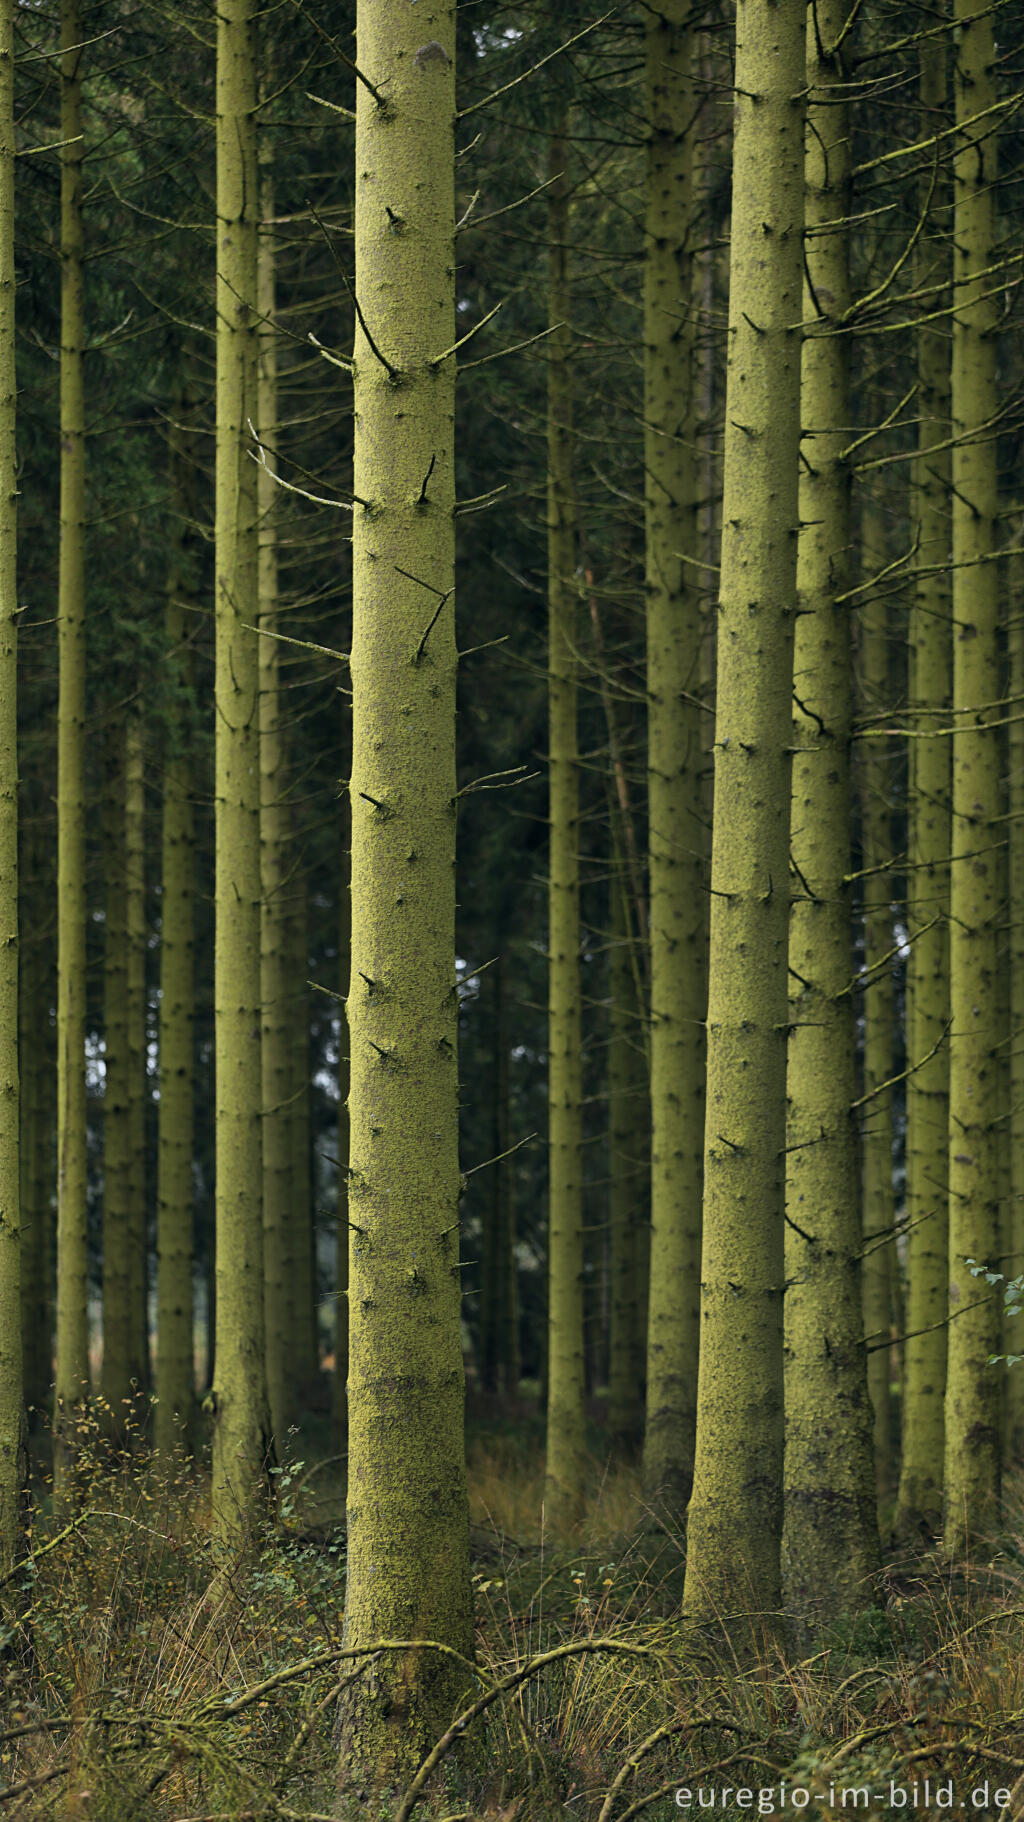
(566, 1399)
(506, 1314)
(72, 1252)
(830, 1546)
(736, 1506)
(13, 1457)
(239, 1391)
(626, 1202)
(175, 1369)
(35, 1074)
(677, 838)
(408, 1529)
(117, 1302)
(340, 1392)
(972, 1388)
(1013, 1334)
(281, 1214)
(305, 1341)
(919, 1505)
(879, 1015)
(135, 986)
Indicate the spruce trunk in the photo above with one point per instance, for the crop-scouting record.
(13, 1458)
(35, 1218)
(972, 1387)
(879, 1203)
(566, 1400)
(919, 1506)
(408, 1521)
(175, 1368)
(1013, 1333)
(72, 1379)
(117, 1306)
(136, 1084)
(340, 1389)
(626, 1092)
(281, 1223)
(830, 1531)
(239, 1388)
(677, 820)
(305, 1341)
(736, 1507)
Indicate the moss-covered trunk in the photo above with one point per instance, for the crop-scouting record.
(565, 1358)
(830, 1531)
(677, 838)
(928, 846)
(239, 1388)
(408, 1531)
(72, 1258)
(736, 1507)
(972, 1388)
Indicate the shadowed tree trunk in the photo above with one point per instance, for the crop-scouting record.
(175, 1370)
(927, 1204)
(13, 1456)
(72, 1258)
(677, 838)
(566, 1416)
(972, 1388)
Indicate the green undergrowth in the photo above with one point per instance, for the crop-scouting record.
(144, 1697)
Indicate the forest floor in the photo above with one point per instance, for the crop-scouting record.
(149, 1700)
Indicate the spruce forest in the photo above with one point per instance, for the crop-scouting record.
(511, 910)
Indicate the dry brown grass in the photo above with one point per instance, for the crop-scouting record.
(145, 1702)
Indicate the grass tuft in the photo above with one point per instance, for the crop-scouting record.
(148, 1699)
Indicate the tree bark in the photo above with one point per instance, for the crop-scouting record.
(919, 1504)
(175, 1369)
(972, 1388)
(736, 1507)
(408, 1529)
(566, 1399)
(879, 1014)
(72, 1381)
(241, 1422)
(282, 1228)
(830, 1550)
(677, 823)
(13, 1455)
